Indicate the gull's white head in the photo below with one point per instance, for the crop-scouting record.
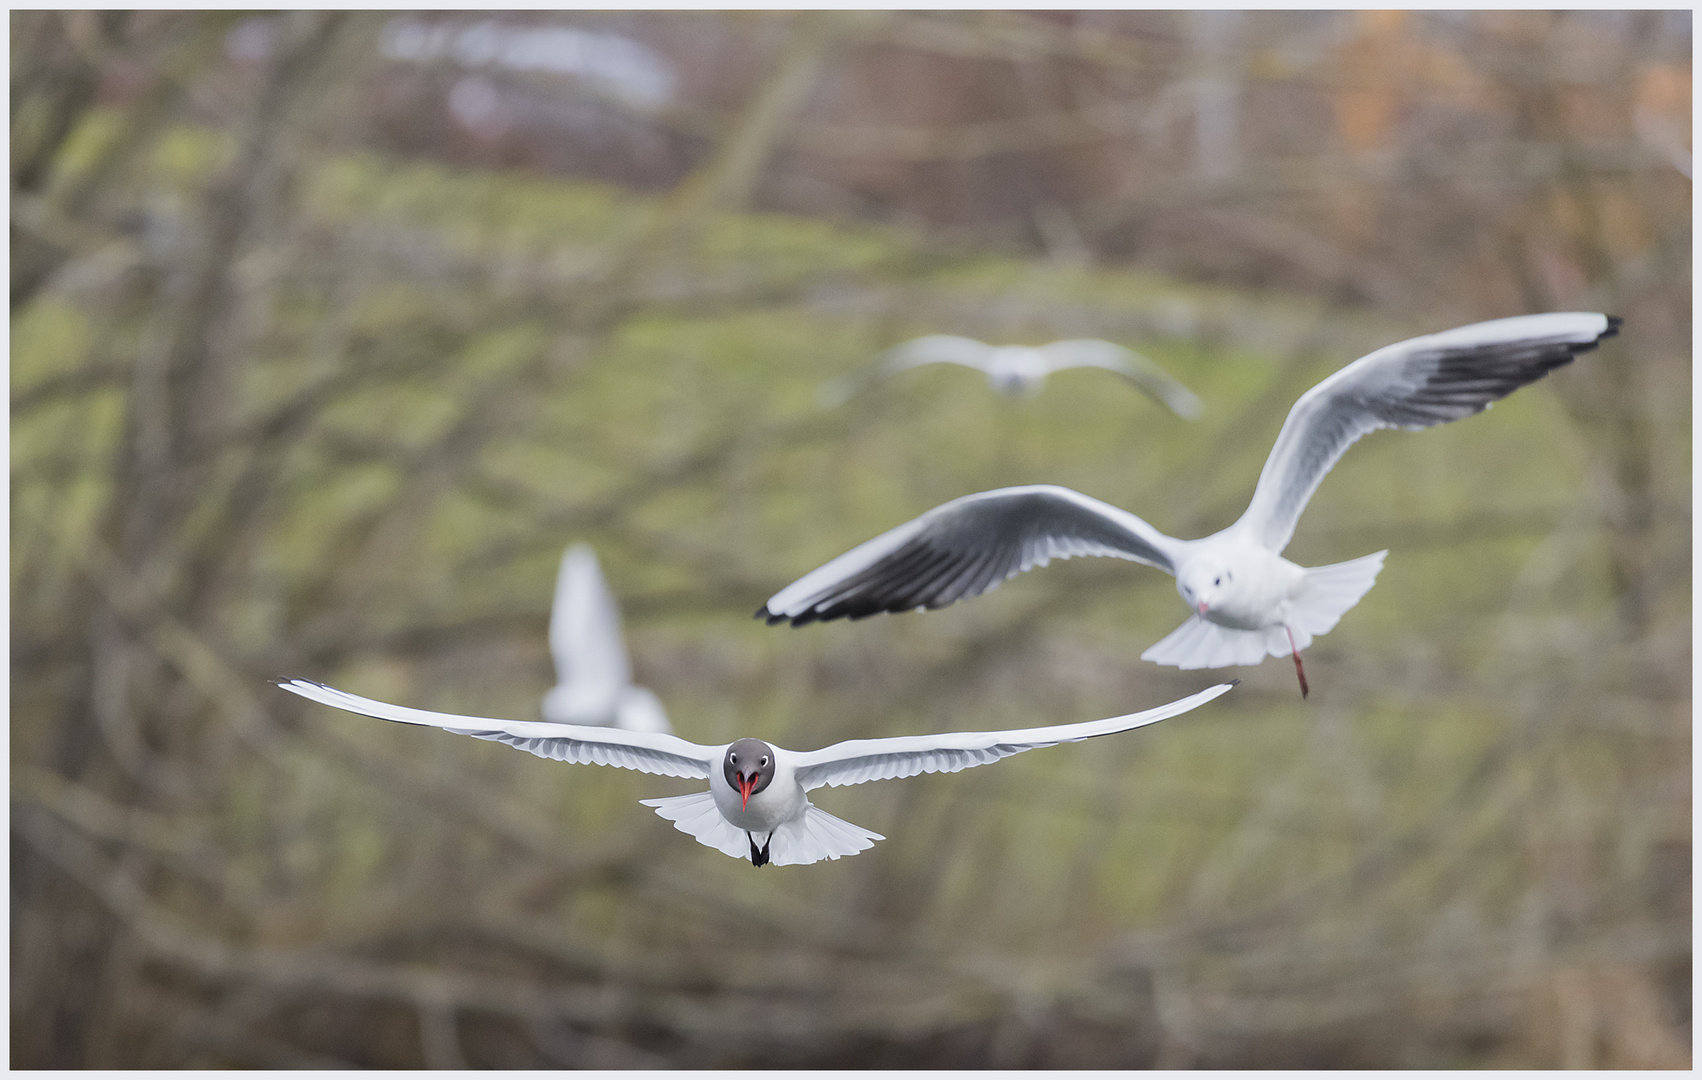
(1205, 583)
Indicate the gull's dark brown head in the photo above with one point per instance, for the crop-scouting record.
(748, 767)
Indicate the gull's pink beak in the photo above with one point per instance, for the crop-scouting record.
(747, 784)
(1202, 607)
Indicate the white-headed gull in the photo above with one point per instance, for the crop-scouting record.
(756, 805)
(1248, 600)
(594, 678)
(1020, 370)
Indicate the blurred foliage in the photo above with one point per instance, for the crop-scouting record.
(288, 400)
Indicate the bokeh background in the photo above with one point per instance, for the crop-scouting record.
(331, 330)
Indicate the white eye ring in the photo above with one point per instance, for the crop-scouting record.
(763, 762)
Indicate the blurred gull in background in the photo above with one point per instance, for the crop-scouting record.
(759, 789)
(1248, 600)
(594, 676)
(618, 66)
(1021, 370)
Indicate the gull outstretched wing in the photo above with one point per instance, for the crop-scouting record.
(931, 349)
(585, 628)
(643, 751)
(1412, 384)
(860, 760)
(935, 349)
(965, 548)
(1151, 379)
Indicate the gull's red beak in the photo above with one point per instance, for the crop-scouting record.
(747, 784)
(1202, 607)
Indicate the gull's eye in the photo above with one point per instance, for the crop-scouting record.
(732, 759)
(1217, 581)
(764, 762)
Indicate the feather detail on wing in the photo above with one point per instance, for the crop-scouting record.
(965, 548)
(862, 760)
(1412, 384)
(643, 751)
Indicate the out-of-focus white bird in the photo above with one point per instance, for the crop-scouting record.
(1248, 600)
(1020, 370)
(757, 804)
(594, 677)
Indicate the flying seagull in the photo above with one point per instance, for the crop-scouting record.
(1248, 601)
(594, 677)
(756, 805)
(1020, 370)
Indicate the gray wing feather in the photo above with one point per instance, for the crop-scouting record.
(965, 548)
(862, 760)
(643, 751)
(1412, 384)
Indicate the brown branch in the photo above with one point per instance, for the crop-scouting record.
(220, 682)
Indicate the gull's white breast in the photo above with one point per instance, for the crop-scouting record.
(781, 801)
(1262, 590)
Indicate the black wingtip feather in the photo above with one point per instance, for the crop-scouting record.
(772, 619)
(1614, 322)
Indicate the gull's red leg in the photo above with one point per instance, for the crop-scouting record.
(1298, 669)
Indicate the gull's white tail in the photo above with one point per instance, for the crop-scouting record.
(816, 836)
(1326, 596)
(696, 815)
(1198, 643)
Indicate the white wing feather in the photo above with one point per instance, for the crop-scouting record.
(932, 349)
(643, 751)
(1138, 369)
(1411, 384)
(861, 760)
(585, 628)
(936, 349)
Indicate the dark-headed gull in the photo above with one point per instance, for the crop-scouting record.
(1248, 600)
(1020, 370)
(594, 677)
(756, 805)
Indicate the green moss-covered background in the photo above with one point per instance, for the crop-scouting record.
(289, 400)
